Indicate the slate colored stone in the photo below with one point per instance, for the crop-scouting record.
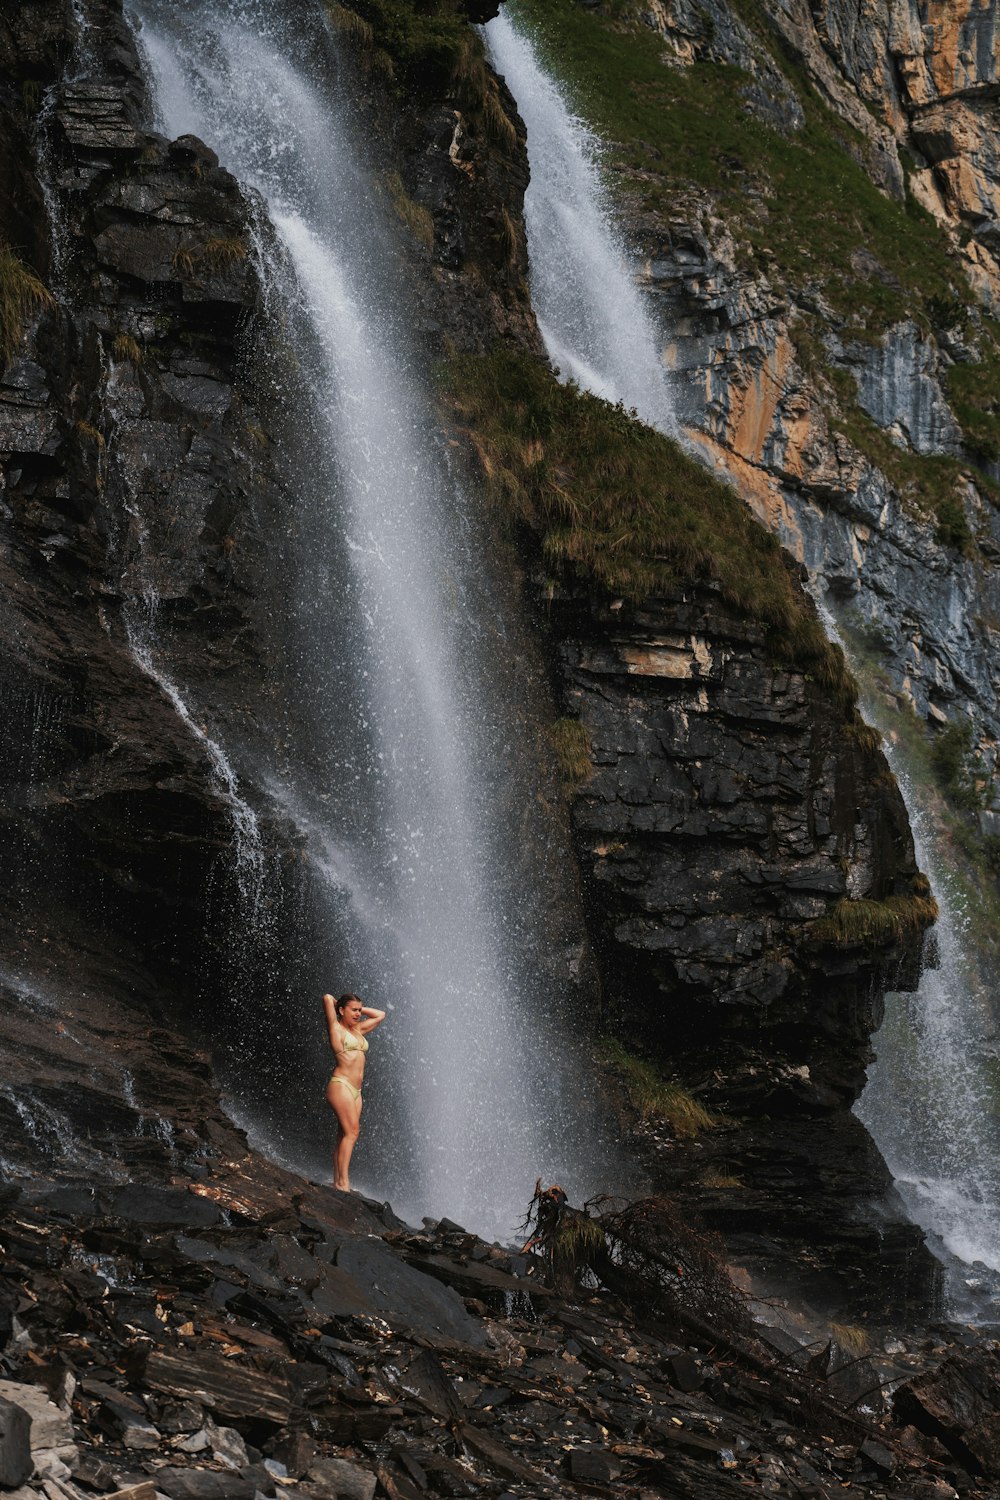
(15, 1445)
(407, 1296)
(473, 1279)
(593, 1465)
(50, 1426)
(339, 1479)
(496, 1455)
(162, 1207)
(204, 1484)
(227, 1389)
(425, 1379)
(683, 1372)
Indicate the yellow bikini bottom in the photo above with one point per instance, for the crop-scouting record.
(354, 1093)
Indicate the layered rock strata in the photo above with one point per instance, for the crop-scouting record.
(729, 809)
(915, 89)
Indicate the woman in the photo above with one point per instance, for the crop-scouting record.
(348, 1021)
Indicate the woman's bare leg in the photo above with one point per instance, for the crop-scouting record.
(348, 1112)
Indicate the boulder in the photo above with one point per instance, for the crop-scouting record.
(337, 1479)
(407, 1297)
(15, 1445)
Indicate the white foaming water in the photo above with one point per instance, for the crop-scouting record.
(590, 312)
(477, 1115)
(929, 1100)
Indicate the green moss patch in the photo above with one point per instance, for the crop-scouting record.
(419, 42)
(426, 50)
(973, 392)
(875, 924)
(571, 746)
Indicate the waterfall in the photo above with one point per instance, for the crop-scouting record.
(397, 763)
(928, 1102)
(589, 309)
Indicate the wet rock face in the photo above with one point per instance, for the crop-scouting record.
(727, 809)
(137, 465)
(742, 395)
(908, 81)
(131, 471)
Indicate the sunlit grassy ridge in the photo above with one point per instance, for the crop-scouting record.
(799, 203)
(626, 504)
(804, 196)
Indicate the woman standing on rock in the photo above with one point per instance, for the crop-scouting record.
(348, 1021)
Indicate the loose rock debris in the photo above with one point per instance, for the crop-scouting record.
(159, 1345)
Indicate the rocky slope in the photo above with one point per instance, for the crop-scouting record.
(261, 1336)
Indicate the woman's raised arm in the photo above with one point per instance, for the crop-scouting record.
(332, 1019)
(375, 1018)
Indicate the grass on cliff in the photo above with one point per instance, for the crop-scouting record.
(973, 391)
(571, 749)
(802, 201)
(426, 49)
(626, 504)
(22, 297)
(417, 42)
(801, 204)
(875, 924)
(652, 1095)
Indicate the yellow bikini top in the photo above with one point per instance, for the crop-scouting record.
(352, 1043)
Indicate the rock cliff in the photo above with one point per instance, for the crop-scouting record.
(813, 192)
(736, 821)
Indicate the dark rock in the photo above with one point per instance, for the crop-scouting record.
(181, 1417)
(427, 1382)
(499, 1458)
(295, 1450)
(122, 1420)
(683, 1372)
(15, 1445)
(958, 1404)
(10, 1192)
(593, 1466)
(406, 1296)
(881, 1458)
(227, 1389)
(206, 1484)
(853, 1377)
(475, 1279)
(338, 1479)
(96, 1473)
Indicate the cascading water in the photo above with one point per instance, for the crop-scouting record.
(928, 1102)
(589, 309)
(394, 765)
